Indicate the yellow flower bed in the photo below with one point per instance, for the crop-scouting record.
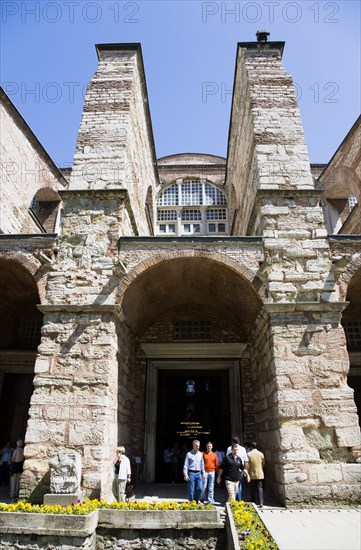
(89, 506)
(252, 532)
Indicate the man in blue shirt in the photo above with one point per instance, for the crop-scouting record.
(193, 472)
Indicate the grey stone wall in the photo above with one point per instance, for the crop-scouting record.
(171, 539)
(43, 542)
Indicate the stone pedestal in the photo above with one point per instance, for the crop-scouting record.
(54, 499)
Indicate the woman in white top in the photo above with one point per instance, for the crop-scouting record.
(122, 474)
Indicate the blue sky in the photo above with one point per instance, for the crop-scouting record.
(48, 57)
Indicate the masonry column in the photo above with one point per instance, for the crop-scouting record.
(84, 376)
(311, 428)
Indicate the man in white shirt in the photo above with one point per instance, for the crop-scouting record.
(242, 454)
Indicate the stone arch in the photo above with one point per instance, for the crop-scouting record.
(255, 282)
(32, 265)
(182, 281)
(341, 183)
(347, 275)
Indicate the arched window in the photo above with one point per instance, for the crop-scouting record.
(44, 209)
(192, 207)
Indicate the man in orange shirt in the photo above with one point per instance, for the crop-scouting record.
(210, 468)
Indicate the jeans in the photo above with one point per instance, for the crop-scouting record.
(239, 491)
(208, 487)
(257, 491)
(194, 486)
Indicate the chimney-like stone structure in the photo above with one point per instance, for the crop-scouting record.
(305, 415)
(115, 147)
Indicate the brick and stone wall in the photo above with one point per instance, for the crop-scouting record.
(25, 169)
(267, 149)
(115, 144)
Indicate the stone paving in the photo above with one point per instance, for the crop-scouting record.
(312, 529)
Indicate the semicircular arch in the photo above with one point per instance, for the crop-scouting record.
(254, 281)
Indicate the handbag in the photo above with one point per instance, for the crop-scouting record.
(129, 490)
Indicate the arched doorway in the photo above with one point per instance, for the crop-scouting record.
(351, 321)
(193, 317)
(20, 325)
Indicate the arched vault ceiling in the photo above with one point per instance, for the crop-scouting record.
(354, 288)
(16, 285)
(197, 281)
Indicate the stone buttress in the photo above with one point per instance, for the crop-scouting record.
(305, 415)
(84, 380)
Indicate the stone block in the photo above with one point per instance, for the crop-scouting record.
(291, 438)
(294, 477)
(54, 499)
(348, 437)
(320, 438)
(338, 421)
(347, 493)
(302, 455)
(48, 524)
(86, 433)
(325, 473)
(295, 395)
(351, 473)
(343, 392)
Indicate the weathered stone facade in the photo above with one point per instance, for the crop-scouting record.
(274, 289)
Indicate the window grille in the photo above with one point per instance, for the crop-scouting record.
(34, 206)
(213, 195)
(167, 228)
(191, 215)
(197, 194)
(167, 215)
(353, 334)
(352, 201)
(169, 197)
(216, 214)
(192, 330)
(29, 332)
(191, 193)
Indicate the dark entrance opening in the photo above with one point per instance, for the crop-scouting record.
(14, 406)
(192, 404)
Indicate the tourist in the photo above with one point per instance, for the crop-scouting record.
(242, 454)
(255, 469)
(122, 474)
(16, 469)
(232, 467)
(5, 462)
(115, 484)
(210, 468)
(193, 472)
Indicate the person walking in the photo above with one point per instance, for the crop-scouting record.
(5, 463)
(256, 463)
(244, 457)
(16, 469)
(232, 467)
(210, 468)
(122, 474)
(193, 472)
